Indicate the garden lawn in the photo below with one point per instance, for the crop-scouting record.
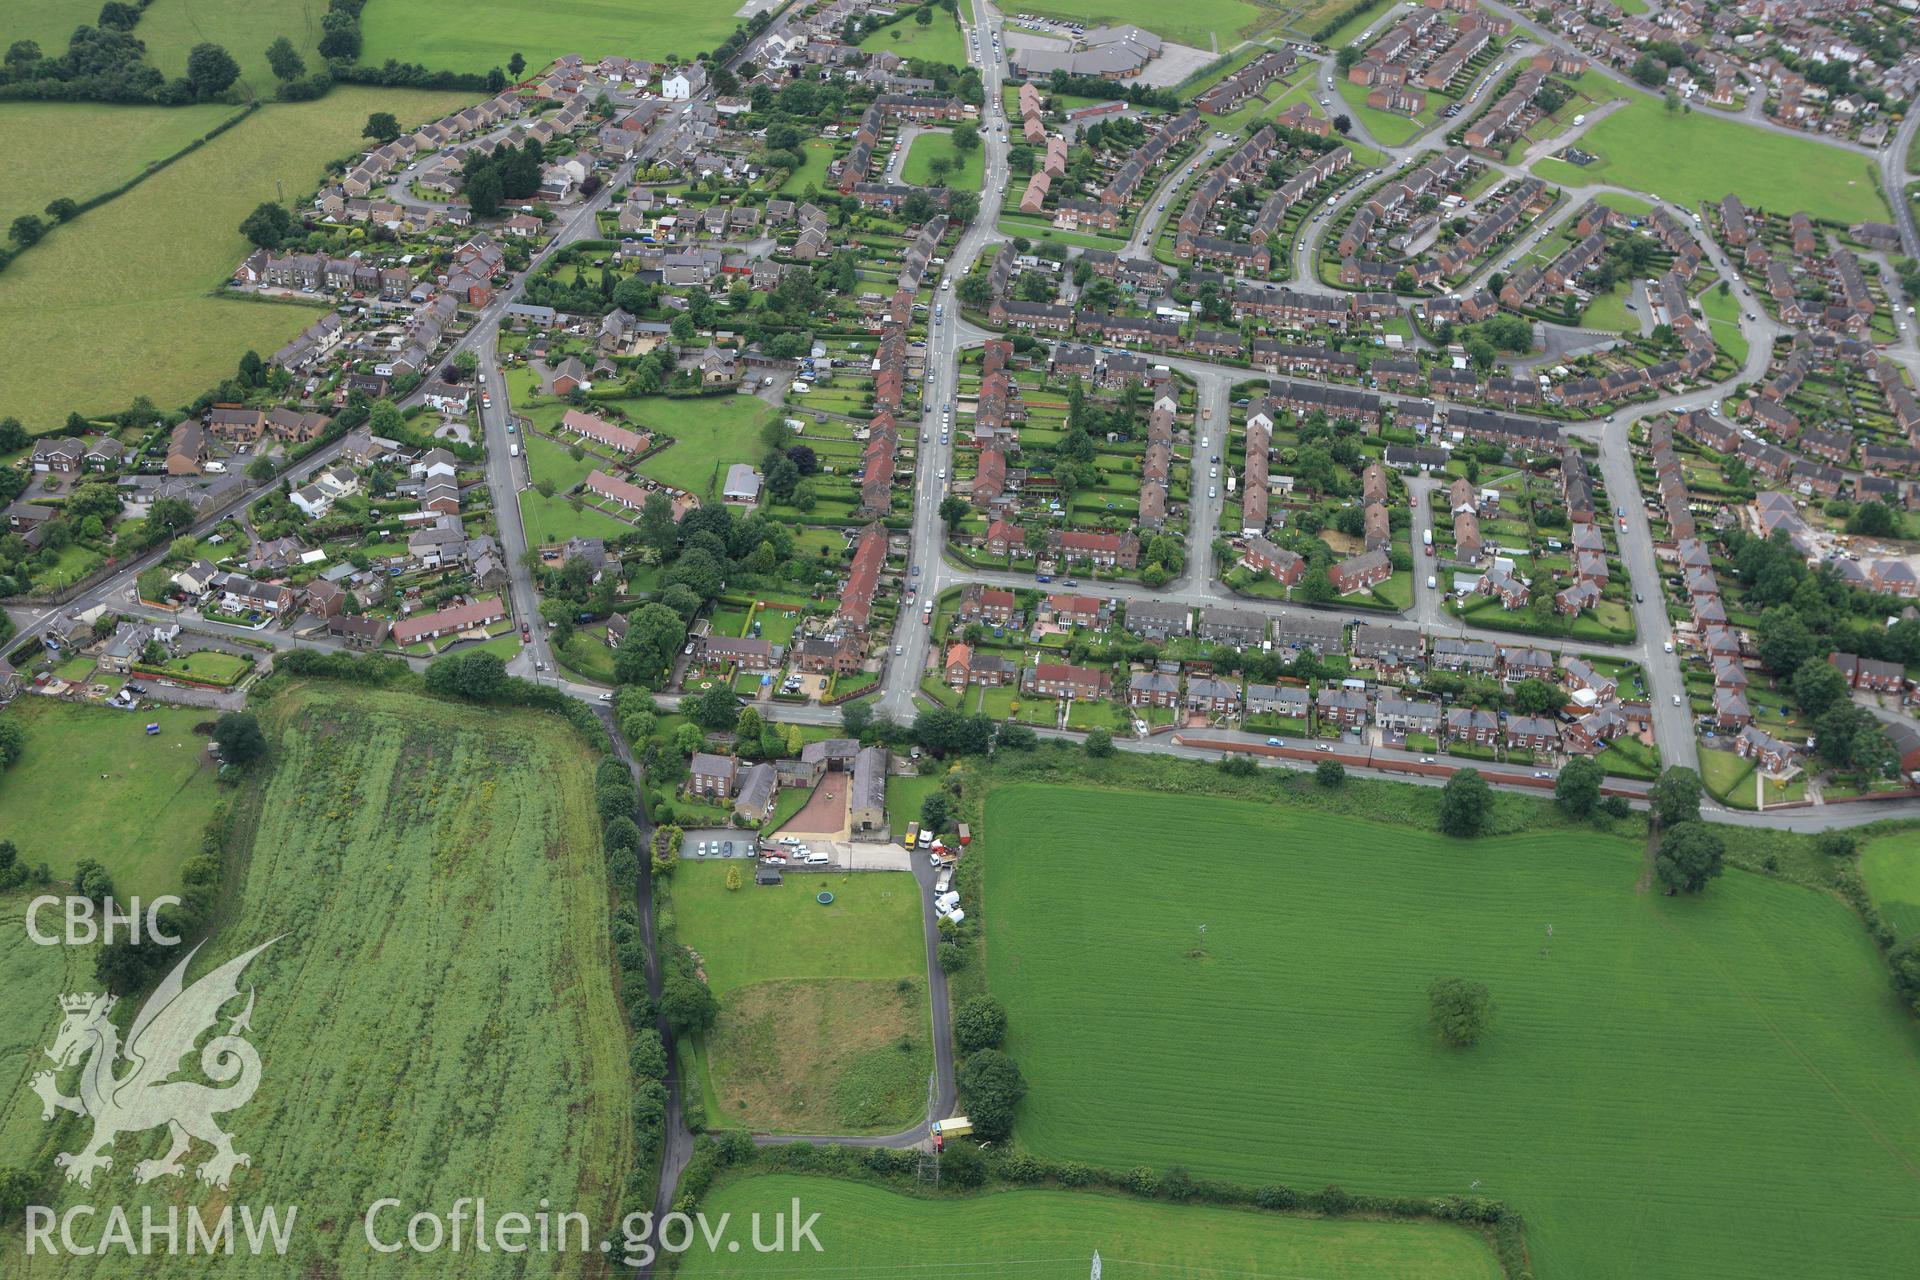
(823, 1022)
(1891, 867)
(82, 149)
(968, 168)
(1195, 23)
(92, 784)
(244, 28)
(1711, 1086)
(210, 666)
(458, 36)
(710, 433)
(865, 1230)
(430, 882)
(1388, 128)
(72, 344)
(1697, 156)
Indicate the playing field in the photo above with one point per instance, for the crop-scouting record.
(1028, 1235)
(1891, 867)
(967, 169)
(244, 28)
(1698, 156)
(1197, 24)
(1715, 1086)
(117, 305)
(435, 1016)
(94, 784)
(823, 1009)
(463, 36)
(80, 149)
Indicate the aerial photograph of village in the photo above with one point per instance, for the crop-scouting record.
(854, 639)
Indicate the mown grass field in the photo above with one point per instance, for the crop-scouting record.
(1891, 867)
(49, 23)
(823, 1009)
(80, 149)
(1714, 1086)
(968, 169)
(92, 784)
(436, 1017)
(818, 153)
(117, 305)
(243, 27)
(460, 36)
(938, 41)
(1697, 156)
(1025, 1235)
(710, 434)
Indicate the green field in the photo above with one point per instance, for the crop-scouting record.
(864, 1230)
(1891, 867)
(460, 36)
(816, 1002)
(1723, 319)
(116, 305)
(1711, 1086)
(34, 975)
(1696, 156)
(938, 41)
(554, 519)
(710, 434)
(969, 168)
(92, 784)
(552, 460)
(80, 149)
(819, 157)
(243, 27)
(1198, 23)
(49, 23)
(1388, 128)
(435, 1015)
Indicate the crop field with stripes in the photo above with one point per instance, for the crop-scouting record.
(1719, 1085)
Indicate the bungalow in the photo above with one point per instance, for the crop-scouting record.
(472, 616)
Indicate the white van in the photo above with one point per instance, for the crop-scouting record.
(818, 858)
(513, 450)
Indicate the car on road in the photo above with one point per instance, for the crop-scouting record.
(526, 632)
(1070, 582)
(1432, 583)
(606, 697)
(1212, 492)
(898, 650)
(509, 428)
(1275, 742)
(1541, 773)
(1324, 747)
(1668, 646)
(1426, 759)
(1676, 699)
(1638, 598)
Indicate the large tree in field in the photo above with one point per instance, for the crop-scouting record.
(239, 736)
(1465, 804)
(1690, 855)
(210, 70)
(1460, 1010)
(267, 226)
(285, 60)
(382, 126)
